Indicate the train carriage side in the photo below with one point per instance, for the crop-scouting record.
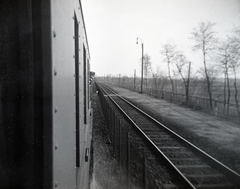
(71, 105)
(45, 108)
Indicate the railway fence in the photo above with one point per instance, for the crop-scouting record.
(196, 102)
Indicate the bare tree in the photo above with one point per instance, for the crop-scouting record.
(147, 64)
(206, 40)
(184, 70)
(235, 61)
(225, 57)
(168, 52)
(162, 80)
(156, 75)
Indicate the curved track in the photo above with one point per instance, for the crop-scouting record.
(196, 168)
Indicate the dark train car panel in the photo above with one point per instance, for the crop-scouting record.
(17, 110)
(45, 97)
(26, 94)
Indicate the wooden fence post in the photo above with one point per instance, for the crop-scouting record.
(216, 106)
(196, 103)
(120, 144)
(144, 172)
(128, 161)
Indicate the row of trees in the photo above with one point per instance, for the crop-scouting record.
(221, 59)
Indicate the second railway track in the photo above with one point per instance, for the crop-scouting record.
(196, 168)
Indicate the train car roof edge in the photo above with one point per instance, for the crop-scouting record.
(85, 30)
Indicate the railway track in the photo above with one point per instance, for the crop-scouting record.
(197, 169)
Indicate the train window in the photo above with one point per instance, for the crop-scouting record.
(85, 83)
(76, 31)
(88, 80)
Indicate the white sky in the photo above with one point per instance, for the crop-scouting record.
(113, 26)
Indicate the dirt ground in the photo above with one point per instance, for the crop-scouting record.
(218, 137)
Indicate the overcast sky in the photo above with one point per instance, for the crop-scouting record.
(113, 26)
